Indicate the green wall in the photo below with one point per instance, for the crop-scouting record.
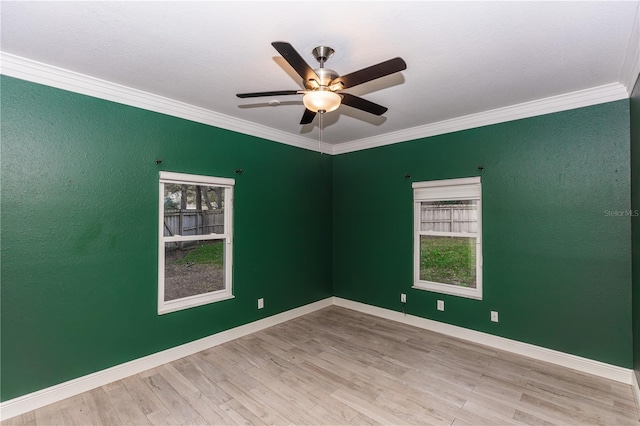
(79, 231)
(635, 221)
(79, 223)
(557, 266)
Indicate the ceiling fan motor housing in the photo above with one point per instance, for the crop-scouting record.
(326, 75)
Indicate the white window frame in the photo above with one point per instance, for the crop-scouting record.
(447, 190)
(204, 298)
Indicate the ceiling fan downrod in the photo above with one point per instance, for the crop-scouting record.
(326, 75)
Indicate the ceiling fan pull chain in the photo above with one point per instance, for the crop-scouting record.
(321, 132)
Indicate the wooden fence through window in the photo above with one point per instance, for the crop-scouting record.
(449, 217)
(192, 222)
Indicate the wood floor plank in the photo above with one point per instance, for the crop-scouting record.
(175, 402)
(227, 355)
(232, 371)
(460, 422)
(207, 409)
(49, 415)
(75, 411)
(181, 384)
(526, 409)
(342, 367)
(437, 387)
(345, 378)
(240, 414)
(410, 411)
(307, 383)
(273, 338)
(100, 408)
(125, 405)
(210, 370)
(277, 387)
(191, 370)
(280, 404)
(265, 360)
(162, 417)
(22, 420)
(367, 408)
(563, 413)
(454, 357)
(144, 397)
(321, 415)
(441, 404)
(585, 405)
(553, 385)
(500, 389)
(247, 400)
(369, 357)
(367, 373)
(508, 372)
(492, 411)
(475, 420)
(530, 419)
(362, 420)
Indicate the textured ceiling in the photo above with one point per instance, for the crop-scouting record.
(463, 57)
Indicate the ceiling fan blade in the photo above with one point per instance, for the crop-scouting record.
(362, 104)
(274, 93)
(295, 60)
(371, 73)
(308, 116)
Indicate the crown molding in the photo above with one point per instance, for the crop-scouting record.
(581, 98)
(631, 66)
(38, 72)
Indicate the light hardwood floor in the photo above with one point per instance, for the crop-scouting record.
(338, 367)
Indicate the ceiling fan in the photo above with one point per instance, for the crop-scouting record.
(322, 84)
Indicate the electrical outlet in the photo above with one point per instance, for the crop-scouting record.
(403, 298)
(494, 316)
(440, 305)
(260, 303)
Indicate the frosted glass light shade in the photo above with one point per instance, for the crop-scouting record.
(321, 101)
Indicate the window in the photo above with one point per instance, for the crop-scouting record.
(448, 236)
(195, 240)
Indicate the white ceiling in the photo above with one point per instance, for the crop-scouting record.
(465, 59)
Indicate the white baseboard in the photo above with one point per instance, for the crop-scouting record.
(585, 365)
(35, 400)
(636, 392)
(23, 404)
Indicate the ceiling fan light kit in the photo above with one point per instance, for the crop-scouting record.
(321, 101)
(322, 84)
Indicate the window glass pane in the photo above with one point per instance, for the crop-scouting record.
(193, 267)
(449, 216)
(448, 260)
(193, 209)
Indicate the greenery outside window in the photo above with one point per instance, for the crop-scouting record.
(195, 240)
(448, 236)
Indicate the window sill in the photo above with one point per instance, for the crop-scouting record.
(474, 293)
(192, 302)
